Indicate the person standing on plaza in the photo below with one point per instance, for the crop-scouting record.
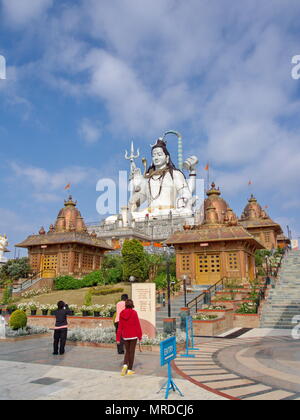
(61, 328)
(130, 329)
(120, 308)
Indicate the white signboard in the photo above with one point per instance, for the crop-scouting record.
(144, 299)
(295, 244)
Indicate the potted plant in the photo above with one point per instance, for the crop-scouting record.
(108, 311)
(97, 310)
(86, 310)
(52, 309)
(33, 308)
(22, 307)
(11, 308)
(73, 308)
(44, 309)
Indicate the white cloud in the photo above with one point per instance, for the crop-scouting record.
(220, 72)
(90, 131)
(22, 12)
(44, 182)
(11, 221)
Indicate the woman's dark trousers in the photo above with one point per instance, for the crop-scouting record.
(60, 338)
(130, 346)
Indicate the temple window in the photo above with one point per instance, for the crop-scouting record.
(267, 236)
(185, 263)
(233, 261)
(34, 262)
(65, 259)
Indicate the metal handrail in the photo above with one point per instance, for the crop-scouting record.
(206, 295)
(29, 281)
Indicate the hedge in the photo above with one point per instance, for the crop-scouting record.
(107, 291)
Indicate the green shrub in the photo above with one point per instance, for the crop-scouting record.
(113, 275)
(18, 320)
(92, 279)
(88, 298)
(247, 308)
(204, 317)
(162, 284)
(6, 298)
(67, 283)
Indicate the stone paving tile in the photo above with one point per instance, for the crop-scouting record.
(222, 385)
(207, 371)
(273, 395)
(210, 378)
(253, 389)
(91, 384)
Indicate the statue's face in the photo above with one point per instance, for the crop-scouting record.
(159, 158)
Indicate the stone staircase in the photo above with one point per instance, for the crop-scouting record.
(176, 304)
(283, 302)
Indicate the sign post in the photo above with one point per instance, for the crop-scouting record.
(189, 334)
(168, 352)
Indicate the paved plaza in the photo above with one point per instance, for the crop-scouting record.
(28, 370)
(254, 366)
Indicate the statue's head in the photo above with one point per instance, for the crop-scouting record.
(161, 158)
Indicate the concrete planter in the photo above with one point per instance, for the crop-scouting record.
(246, 321)
(231, 304)
(210, 328)
(227, 313)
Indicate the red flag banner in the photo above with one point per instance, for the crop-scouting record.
(206, 167)
(250, 182)
(67, 187)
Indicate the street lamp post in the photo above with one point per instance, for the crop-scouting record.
(184, 278)
(168, 251)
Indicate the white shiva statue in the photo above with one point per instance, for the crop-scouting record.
(3, 245)
(162, 189)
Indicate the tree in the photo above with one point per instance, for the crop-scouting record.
(154, 265)
(134, 260)
(15, 269)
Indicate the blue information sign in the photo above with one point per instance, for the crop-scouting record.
(168, 352)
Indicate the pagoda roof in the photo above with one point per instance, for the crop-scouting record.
(216, 233)
(257, 223)
(64, 238)
(282, 237)
(255, 217)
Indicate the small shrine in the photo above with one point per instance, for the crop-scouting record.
(260, 225)
(217, 248)
(67, 248)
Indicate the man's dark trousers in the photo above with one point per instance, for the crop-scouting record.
(120, 346)
(60, 338)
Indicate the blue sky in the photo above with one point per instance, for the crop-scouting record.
(86, 77)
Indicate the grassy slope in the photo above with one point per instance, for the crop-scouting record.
(77, 296)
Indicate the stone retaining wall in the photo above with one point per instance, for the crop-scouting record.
(73, 322)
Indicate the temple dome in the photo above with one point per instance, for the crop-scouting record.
(214, 200)
(253, 210)
(69, 218)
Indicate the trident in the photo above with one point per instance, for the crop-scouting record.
(132, 157)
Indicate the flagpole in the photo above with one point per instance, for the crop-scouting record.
(208, 176)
